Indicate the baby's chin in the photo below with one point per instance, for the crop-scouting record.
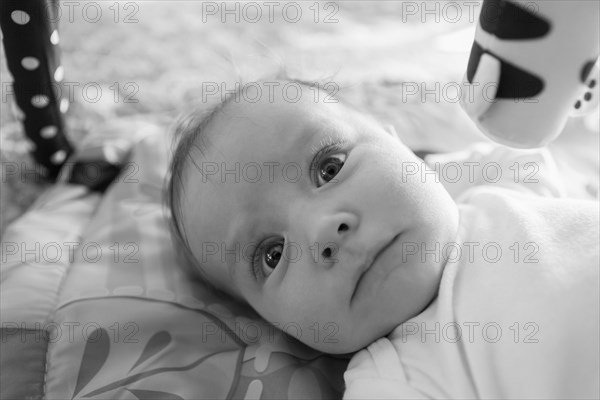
(359, 329)
(338, 339)
(349, 337)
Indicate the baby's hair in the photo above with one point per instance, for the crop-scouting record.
(190, 134)
(185, 136)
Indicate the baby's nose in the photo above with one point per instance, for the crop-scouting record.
(332, 234)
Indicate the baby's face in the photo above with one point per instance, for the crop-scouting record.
(306, 211)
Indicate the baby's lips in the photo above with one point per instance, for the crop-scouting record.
(371, 259)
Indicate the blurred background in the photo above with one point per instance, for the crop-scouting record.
(151, 60)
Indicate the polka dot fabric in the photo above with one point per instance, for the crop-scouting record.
(30, 38)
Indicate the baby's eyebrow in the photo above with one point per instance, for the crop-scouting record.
(329, 138)
(307, 136)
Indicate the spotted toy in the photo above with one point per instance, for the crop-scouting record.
(31, 42)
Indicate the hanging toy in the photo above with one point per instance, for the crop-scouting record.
(532, 65)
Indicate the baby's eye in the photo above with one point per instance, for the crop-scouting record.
(329, 168)
(267, 258)
(273, 255)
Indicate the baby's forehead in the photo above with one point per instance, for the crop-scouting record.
(273, 125)
(267, 106)
(279, 112)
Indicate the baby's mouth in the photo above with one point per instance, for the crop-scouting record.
(370, 265)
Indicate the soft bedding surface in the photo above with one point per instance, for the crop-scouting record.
(98, 308)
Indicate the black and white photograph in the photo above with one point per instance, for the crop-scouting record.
(310, 199)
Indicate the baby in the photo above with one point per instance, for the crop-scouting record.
(322, 216)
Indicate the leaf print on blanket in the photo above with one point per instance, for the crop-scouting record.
(154, 395)
(155, 361)
(157, 342)
(94, 356)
